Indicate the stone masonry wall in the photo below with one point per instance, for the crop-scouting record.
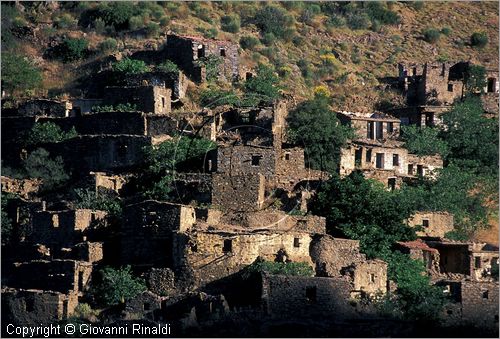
(439, 223)
(238, 192)
(480, 303)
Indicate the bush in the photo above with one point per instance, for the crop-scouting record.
(39, 165)
(431, 35)
(335, 21)
(248, 42)
(89, 199)
(19, 74)
(164, 21)
(358, 20)
(117, 14)
(230, 23)
(479, 40)
(130, 66)
(65, 21)
(377, 11)
(72, 49)
(275, 20)
(117, 285)
(168, 67)
(423, 141)
(99, 26)
(48, 132)
(265, 86)
(446, 31)
(108, 45)
(152, 29)
(268, 39)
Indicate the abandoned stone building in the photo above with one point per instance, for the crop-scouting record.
(432, 224)
(189, 53)
(373, 126)
(45, 107)
(151, 99)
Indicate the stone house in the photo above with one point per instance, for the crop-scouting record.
(177, 82)
(25, 188)
(433, 223)
(188, 51)
(45, 107)
(373, 126)
(419, 250)
(148, 99)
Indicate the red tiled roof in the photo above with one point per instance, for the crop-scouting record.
(417, 245)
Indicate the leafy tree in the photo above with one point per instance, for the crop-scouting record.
(380, 13)
(431, 35)
(284, 268)
(471, 137)
(275, 20)
(214, 97)
(212, 65)
(72, 49)
(475, 78)
(315, 126)
(364, 210)
(39, 165)
(168, 67)
(19, 74)
(152, 29)
(416, 298)
(423, 141)
(130, 66)
(89, 199)
(48, 132)
(264, 87)
(108, 45)
(230, 23)
(117, 13)
(479, 39)
(117, 285)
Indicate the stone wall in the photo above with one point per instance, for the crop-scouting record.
(147, 231)
(161, 281)
(439, 88)
(373, 126)
(35, 307)
(45, 107)
(58, 229)
(480, 303)
(370, 276)
(238, 160)
(26, 188)
(177, 82)
(278, 220)
(435, 224)
(299, 297)
(105, 183)
(484, 258)
(149, 99)
(233, 192)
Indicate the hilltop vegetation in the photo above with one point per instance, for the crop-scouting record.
(348, 47)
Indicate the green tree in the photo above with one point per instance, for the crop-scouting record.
(19, 74)
(264, 87)
(275, 20)
(48, 132)
(423, 141)
(117, 13)
(168, 67)
(39, 165)
(471, 137)
(230, 23)
(130, 66)
(431, 35)
(364, 210)
(117, 285)
(475, 78)
(316, 127)
(72, 49)
(89, 199)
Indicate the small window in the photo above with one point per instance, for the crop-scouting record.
(296, 242)
(410, 169)
(163, 102)
(445, 260)
(256, 160)
(414, 71)
(357, 157)
(311, 294)
(201, 51)
(287, 156)
(380, 160)
(496, 318)
(55, 220)
(248, 76)
(449, 312)
(395, 160)
(450, 87)
(370, 130)
(420, 170)
(391, 183)
(194, 248)
(379, 131)
(368, 155)
(485, 294)
(223, 52)
(477, 262)
(147, 306)
(228, 245)
(390, 127)
(491, 85)
(372, 277)
(29, 304)
(425, 222)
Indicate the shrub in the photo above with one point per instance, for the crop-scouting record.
(108, 45)
(65, 21)
(335, 21)
(358, 20)
(248, 42)
(135, 23)
(130, 66)
(377, 11)
(18, 73)
(72, 49)
(479, 40)
(117, 14)
(431, 35)
(268, 39)
(446, 31)
(264, 86)
(164, 21)
(39, 165)
(99, 25)
(152, 29)
(48, 132)
(168, 67)
(89, 199)
(117, 285)
(275, 20)
(211, 63)
(230, 23)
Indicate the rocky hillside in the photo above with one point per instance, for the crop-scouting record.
(350, 48)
